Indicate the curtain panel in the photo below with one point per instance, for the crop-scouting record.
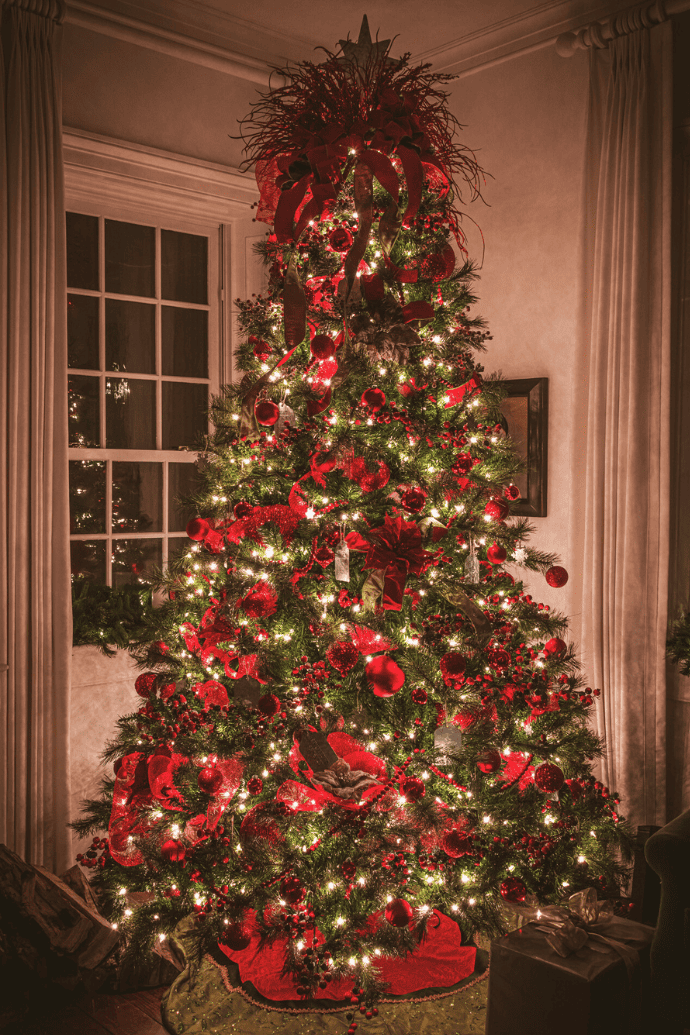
(35, 607)
(625, 465)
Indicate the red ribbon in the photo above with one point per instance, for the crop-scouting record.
(395, 547)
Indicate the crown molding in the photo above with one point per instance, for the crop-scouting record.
(131, 175)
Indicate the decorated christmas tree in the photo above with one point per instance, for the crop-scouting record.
(359, 737)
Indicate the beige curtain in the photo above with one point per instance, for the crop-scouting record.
(35, 610)
(627, 427)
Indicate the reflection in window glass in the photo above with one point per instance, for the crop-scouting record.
(183, 480)
(130, 413)
(129, 258)
(82, 251)
(87, 495)
(184, 335)
(183, 267)
(133, 559)
(130, 336)
(177, 547)
(82, 332)
(185, 419)
(88, 559)
(137, 497)
(82, 408)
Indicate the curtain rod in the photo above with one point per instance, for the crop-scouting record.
(600, 34)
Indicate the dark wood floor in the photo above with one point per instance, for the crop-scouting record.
(130, 1013)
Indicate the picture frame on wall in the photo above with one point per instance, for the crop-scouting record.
(526, 414)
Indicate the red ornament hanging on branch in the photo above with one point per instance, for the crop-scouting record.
(384, 676)
(556, 576)
(399, 912)
(549, 777)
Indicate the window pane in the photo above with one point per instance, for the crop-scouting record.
(137, 497)
(82, 402)
(130, 413)
(82, 332)
(87, 495)
(129, 336)
(82, 251)
(134, 558)
(183, 480)
(184, 414)
(129, 258)
(88, 559)
(185, 342)
(177, 547)
(184, 260)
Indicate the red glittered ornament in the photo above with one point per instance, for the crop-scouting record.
(242, 510)
(452, 667)
(324, 556)
(555, 646)
(412, 788)
(511, 492)
(496, 554)
(210, 780)
(258, 825)
(398, 912)
(498, 658)
(373, 399)
(198, 528)
(489, 761)
(173, 851)
(414, 500)
(235, 935)
(266, 412)
(384, 676)
(513, 890)
(549, 777)
(145, 683)
(292, 890)
(322, 347)
(340, 239)
(556, 576)
(419, 695)
(268, 704)
(255, 785)
(343, 656)
(496, 509)
(456, 843)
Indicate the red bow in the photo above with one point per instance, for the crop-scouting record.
(396, 548)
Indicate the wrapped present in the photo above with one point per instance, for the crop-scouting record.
(574, 969)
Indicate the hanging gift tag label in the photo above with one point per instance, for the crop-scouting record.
(472, 567)
(286, 415)
(448, 738)
(342, 562)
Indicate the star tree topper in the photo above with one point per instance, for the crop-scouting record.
(361, 52)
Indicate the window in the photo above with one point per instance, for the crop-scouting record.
(142, 339)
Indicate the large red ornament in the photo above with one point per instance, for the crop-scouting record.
(399, 912)
(145, 683)
(343, 656)
(340, 239)
(412, 788)
(452, 667)
(235, 935)
(456, 843)
(322, 347)
(384, 676)
(414, 500)
(373, 399)
(496, 554)
(173, 851)
(489, 761)
(497, 510)
(266, 412)
(268, 705)
(555, 646)
(513, 890)
(556, 576)
(210, 780)
(549, 777)
(198, 528)
(292, 890)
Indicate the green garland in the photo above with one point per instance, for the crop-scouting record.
(678, 644)
(108, 618)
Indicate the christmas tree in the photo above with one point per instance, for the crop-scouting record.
(359, 733)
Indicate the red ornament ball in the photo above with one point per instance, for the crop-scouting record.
(373, 399)
(511, 492)
(173, 851)
(324, 556)
(513, 890)
(556, 576)
(414, 500)
(340, 239)
(456, 843)
(452, 666)
(555, 646)
(292, 890)
(343, 656)
(145, 683)
(210, 780)
(242, 510)
(399, 912)
(384, 676)
(348, 869)
(268, 704)
(419, 695)
(496, 554)
(498, 658)
(198, 529)
(255, 785)
(266, 412)
(489, 761)
(412, 788)
(322, 347)
(549, 777)
(235, 936)
(497, 510)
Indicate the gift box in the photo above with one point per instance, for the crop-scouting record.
(597, 988)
